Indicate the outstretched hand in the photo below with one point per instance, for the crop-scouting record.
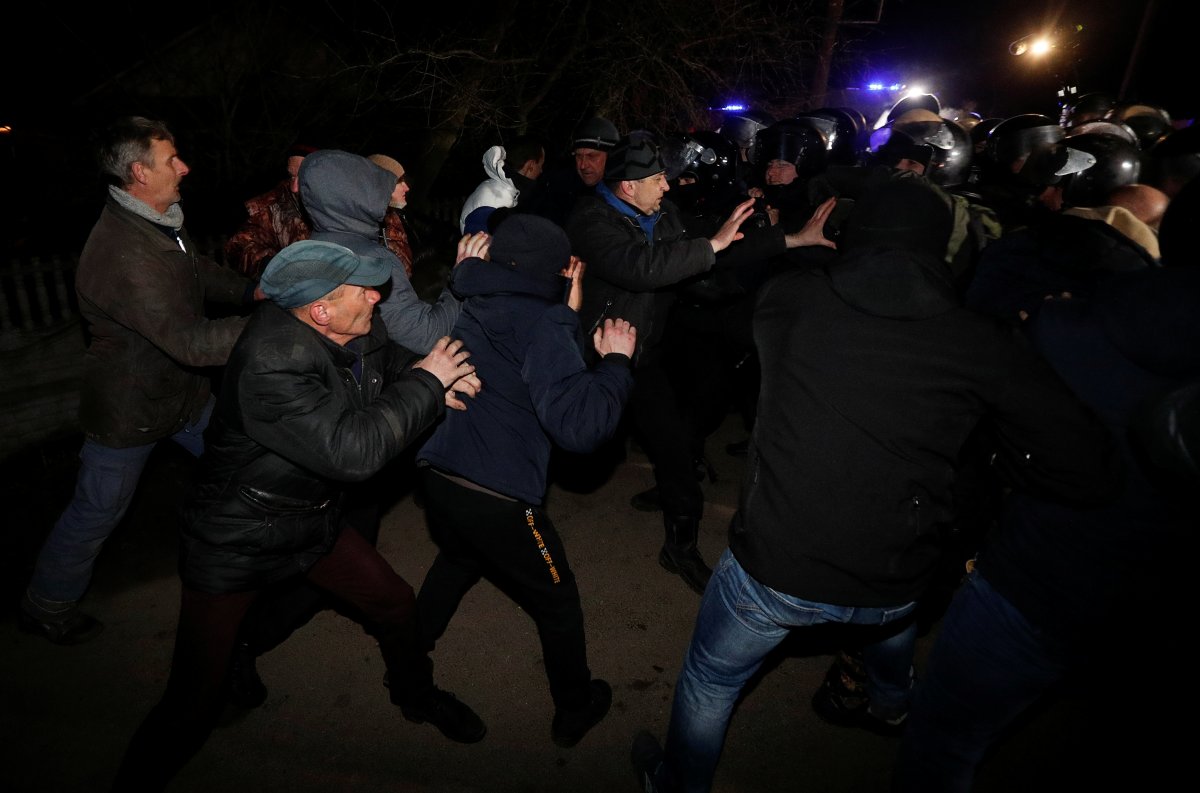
(813, 232)
(473, 245)
(615, 335)
(574, 271)
(730, 230)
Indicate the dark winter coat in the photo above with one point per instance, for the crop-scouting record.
(143, 299)
(1080, 574)
(628, 276)
(873, 377)
(527, 347)
(292, 426)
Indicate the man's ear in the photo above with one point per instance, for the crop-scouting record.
(625, 189)
(318, 312)
(138, 171)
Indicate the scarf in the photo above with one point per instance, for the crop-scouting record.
(172, 218)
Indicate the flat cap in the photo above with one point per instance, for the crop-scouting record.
(310, 269)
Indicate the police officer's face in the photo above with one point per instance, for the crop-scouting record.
(780, 172)
(647, 193)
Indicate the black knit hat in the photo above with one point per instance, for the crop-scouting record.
(634, 159)
(530, 243)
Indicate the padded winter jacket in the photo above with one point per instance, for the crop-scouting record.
(293, 425)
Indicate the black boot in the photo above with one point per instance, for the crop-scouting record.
(410, 685)
(246, 688)
(679, 554)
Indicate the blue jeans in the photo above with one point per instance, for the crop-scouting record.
(739, 623)
(987, 666)
(104, 489)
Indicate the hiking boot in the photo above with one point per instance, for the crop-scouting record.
(569, 726)
(74, 627)
(443, 710)
(246, 688)
(646, 501)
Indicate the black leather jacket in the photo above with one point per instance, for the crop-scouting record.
(291, 428)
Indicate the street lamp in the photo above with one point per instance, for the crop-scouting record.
(1057, 48)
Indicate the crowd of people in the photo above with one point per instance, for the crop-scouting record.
(966, 352)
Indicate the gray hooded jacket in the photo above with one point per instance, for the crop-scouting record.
(346, 196)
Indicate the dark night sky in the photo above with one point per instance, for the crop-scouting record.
(960, 46)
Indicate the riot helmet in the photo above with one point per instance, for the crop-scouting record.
(844, 133)
(1117, 163)
(914, 102)
(794, 142)
(681, 152)
(720, 174)
(1149, 130)
(1086, 107)
(1175, 160)
(1029, 149)
(918, 135)
(743, 126)
(956, 164)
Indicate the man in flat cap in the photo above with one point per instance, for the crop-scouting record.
(315, 397)
(636, 246)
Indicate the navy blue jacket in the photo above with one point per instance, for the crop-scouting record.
(527, 348)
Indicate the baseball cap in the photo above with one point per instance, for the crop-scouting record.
(310, 269)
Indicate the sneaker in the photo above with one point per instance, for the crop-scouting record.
(646, 501)
(74, 628)
(246, 688)
(569, 726)
(443, 710)
(647, 759)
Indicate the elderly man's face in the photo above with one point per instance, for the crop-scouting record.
(646, 194)
(589, 164)
(350, 308)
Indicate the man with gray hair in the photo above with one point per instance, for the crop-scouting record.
(315, 398)
(142, 291)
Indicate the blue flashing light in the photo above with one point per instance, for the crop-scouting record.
(874, 86)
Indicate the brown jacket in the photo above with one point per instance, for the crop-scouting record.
(275, 221)
(143, 299)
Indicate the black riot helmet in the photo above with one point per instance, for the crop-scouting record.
(719, 175)
(743, 126)
(1029, 150)
(918, 135)
(1117, 163)
(681, 153)
(956, 165)
(844, 131)
(1086, 107)
(1175, 160)
(792, 141)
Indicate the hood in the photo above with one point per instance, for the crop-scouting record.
(894, 283)
(345, 192)
(493, 164)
